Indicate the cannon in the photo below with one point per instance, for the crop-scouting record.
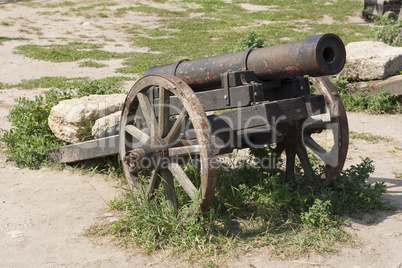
(194, 110)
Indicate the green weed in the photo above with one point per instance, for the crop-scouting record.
(223, 24)
(66, 53)
(250, 208)
(92, 64)
(46, 82)
(30, 136)
(3, 38)
(352, 195)
(382, 102)
(388, 31)
(368, 137)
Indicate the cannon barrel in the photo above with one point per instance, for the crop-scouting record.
(317, 55)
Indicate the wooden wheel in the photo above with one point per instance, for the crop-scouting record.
(390, 15)
(303, 135)
(151, 139)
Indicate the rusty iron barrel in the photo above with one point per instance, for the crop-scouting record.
(318, 55)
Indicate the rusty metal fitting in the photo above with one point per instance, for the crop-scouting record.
(134, 158)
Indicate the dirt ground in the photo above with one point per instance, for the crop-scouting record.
(43, 213)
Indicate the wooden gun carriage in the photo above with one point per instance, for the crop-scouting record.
(197, 109)
(390, 9)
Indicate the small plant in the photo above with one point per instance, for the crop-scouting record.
(319, 215)
(352, 195)
(30, 136)
(250, 207)
(382, 102)
(252, 39)
(388, 32)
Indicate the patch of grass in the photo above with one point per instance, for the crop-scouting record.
(30, 137)
(388, 31)
(3, 39)
(46, 82)
(62, 4)
(143, 61)
(3, 85)
(102, 15)
(222, 25)
(383, 102)
(66, 53)
(250, 208)
(368, 137)
(92, 64)
(64, 82)
(363, 100)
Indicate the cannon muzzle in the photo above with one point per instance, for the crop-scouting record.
(318, 55)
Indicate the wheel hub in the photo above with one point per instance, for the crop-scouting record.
(146, 156)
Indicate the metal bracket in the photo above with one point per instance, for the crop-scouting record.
(177, 65)
(245, 57)
(225, 85)
(258, 93)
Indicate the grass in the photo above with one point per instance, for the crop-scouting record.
(30, 137)
(251, 209)
(62, 82)
(66, 53)
(368, 137)
(4, 39)
(92, 64)
(180, 35)
(364, 100)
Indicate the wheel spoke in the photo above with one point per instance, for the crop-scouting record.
(177, 127)
(153, 182)
(184, 150)
(163, 112)
(305, 162)
(148, 113)
(137, 134)
(168, 185)
(183, 179)
(317, 126)
(315, 147)
(290, 162)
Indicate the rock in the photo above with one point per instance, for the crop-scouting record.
(371, 60)
(68, 119)
(106, 126)
(392, 85)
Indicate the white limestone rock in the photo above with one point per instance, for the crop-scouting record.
(369, 60)
(106, 126)
(67, 119)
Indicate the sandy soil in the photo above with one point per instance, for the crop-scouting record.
(43, 213)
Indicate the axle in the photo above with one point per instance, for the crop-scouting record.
(315, 56)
